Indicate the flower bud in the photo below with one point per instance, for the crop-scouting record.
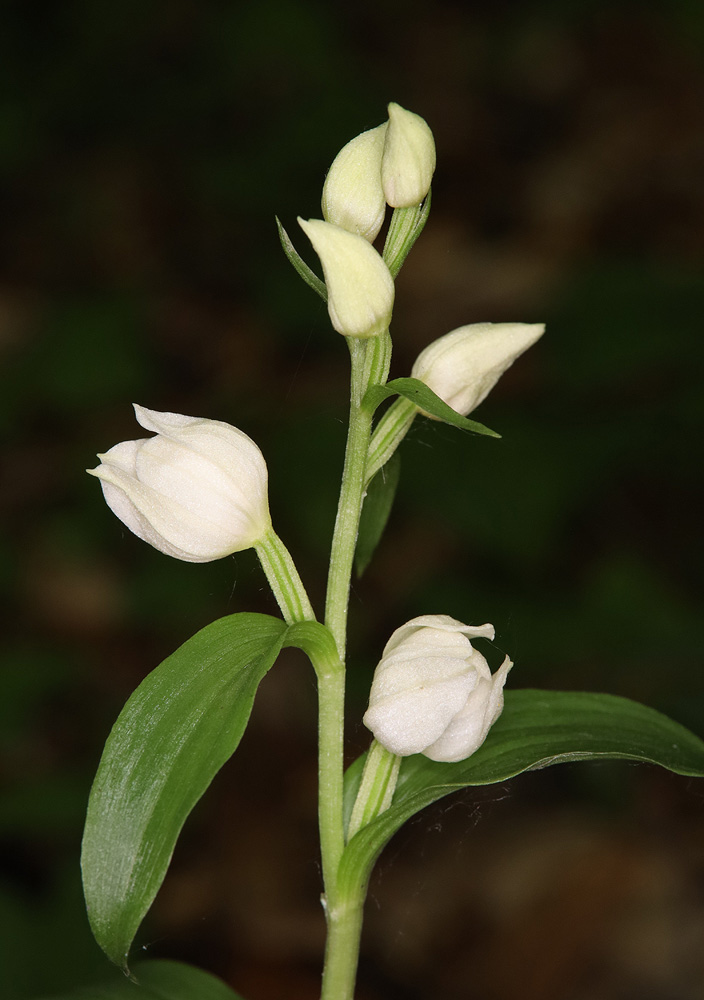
(464, 366)
(409, 158)
(432, 692)
(353, 197)
(360, 286)
(197, 491)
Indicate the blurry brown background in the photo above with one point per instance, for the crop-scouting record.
(144, 150)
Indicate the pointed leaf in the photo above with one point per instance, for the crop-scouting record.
(535, 730)
(425, 399)
(158, 980)
(376, 510)
(173, 735)
(299, 265)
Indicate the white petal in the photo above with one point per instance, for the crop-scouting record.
(463, 366)
(360, 286)
(353, 197)
(470, 727)
(407, 722)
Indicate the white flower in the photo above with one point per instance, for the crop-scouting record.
(360, 286)
(408, 163)
(353, 197)
(464, 366)
(197, 491)
(432, 692)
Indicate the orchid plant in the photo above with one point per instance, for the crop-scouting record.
(439, 718)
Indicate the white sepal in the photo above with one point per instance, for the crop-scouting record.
(432, 692)
(464, 366)
(360, 286)
(408, 163)
(196, 491)
(353, 197)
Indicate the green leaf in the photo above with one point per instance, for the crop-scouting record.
(535, 730)
(425, 399)
(299, 265)
(317, 642)
(173, 735)
(158, 980)
(376, 510)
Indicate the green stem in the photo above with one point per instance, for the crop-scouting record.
(389, 433)
(331, 701)
(404, 229)
(370, 366)
(284, 580)
(376, 789)
(342, 947)
(370, 359)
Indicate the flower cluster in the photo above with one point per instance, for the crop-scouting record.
(392, 164)
(197, 490)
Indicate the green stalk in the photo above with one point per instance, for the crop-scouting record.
(376, 789)
(284, 580)
(370, 360)
(342, 947)
(331, 702)
(370, 366)
(389, 433)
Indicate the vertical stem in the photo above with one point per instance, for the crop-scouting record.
(369, 364)
(342, 948)
(331, 702)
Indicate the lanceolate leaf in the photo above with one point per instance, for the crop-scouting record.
(376, 510)
(173, 735)
(425, 399)
(299, 265)
(536, 729)
(158, 980)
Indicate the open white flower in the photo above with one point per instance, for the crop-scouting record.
(464, 366)
(360, 286)
(432, 692)
(196, 491)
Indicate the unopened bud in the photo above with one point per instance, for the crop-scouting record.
(432, 692)
(464, 366)
(408, 163)
(353, 197)
(360, 286)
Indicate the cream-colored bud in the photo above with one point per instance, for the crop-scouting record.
(196, 491)
(408, 163)
(353, 197)
(360, 286)
(464, 366)
(432, 692)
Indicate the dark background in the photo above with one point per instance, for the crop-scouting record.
(144, 150)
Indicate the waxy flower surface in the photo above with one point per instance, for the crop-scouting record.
(196, 491)
(432, 692)
(464, 366)
(408, 163)
(360, 286)
(353, 197)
